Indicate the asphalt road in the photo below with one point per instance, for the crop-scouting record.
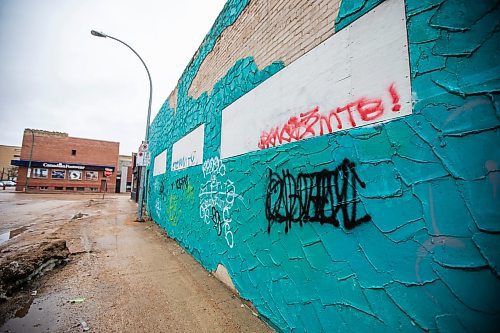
(122, 276)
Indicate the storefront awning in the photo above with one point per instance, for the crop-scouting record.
(62, 165)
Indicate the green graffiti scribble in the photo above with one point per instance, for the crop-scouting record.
(173, 211)
(190, 192)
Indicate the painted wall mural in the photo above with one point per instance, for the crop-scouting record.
(348, 191)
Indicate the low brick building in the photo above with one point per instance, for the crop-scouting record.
(66, 164)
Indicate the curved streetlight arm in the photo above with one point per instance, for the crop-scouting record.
(101, 34)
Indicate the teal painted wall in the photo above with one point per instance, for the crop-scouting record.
(428, 258)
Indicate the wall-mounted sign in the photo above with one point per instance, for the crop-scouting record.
(63, 166)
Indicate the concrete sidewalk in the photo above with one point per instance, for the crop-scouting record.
(125, 276)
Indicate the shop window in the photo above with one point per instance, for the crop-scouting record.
(70, 188)
(43, 188)
(91, 175)
(80, 188)
(40, 173)
(93, 189)
(58, 174)
(58, 188)
(75, 175)
(73, 152)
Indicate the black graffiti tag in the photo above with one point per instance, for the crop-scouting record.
(216, 220)
(181, 183)
(322, 197)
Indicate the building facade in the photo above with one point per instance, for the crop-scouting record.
(337, 162)
(124, 174)
(60, 163)
(7, 154)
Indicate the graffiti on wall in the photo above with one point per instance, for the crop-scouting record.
(174, 210)
(188, 151)
(217, 197)
(184, 162)
(327, 196)
(327, 89)
(158, 208)
(313, 123)
(182, 184)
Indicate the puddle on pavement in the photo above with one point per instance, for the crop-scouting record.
(32, 317)
(4, 237)
(28, 319)
(23, 311)
(11, 234)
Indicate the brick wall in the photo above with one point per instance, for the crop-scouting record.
(58, 147)
(267, 31)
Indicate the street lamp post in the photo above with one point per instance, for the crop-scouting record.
(142, 188)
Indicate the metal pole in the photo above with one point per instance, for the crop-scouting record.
(142, 188)
(28, 172)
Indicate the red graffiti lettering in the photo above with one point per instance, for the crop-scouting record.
(395, 98)
(370, 109)
(312, 123)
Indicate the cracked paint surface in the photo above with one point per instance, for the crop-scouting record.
(429, 259)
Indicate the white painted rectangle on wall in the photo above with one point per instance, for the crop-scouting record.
(359, 76)
(188, 151)
(160, 166)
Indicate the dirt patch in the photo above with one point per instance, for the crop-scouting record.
(23, 262)
(120, 276)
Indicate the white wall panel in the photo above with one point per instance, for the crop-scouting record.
(358, 77)
(160, 166)
(188, 151)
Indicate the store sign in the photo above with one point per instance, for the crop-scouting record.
(60, 165)
(63, 166)
(107, 173)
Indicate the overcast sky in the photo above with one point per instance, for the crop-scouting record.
(56, 76)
